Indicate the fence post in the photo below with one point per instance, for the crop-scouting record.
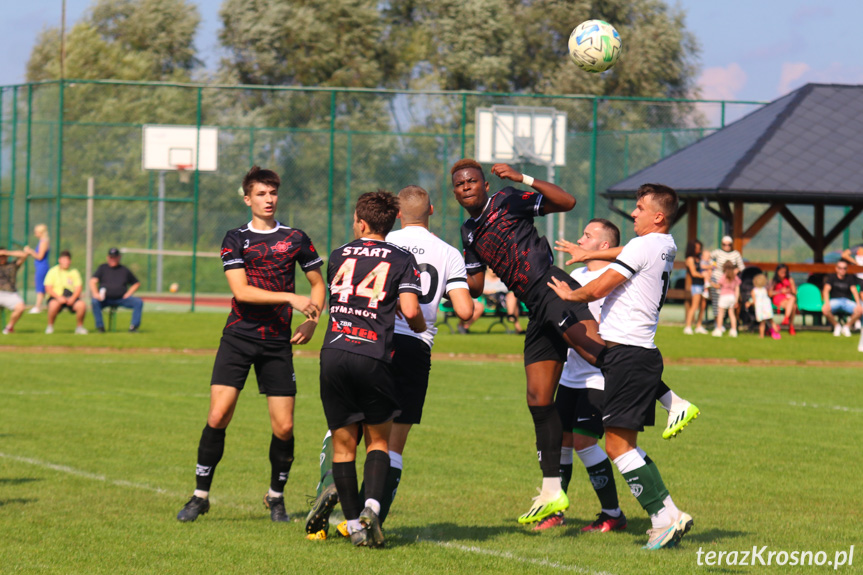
(594, 142)
(2, 92)
(57, 218)
(349, 219)
(27, 180)
(14, 160)
(195, 218)
(331, 172)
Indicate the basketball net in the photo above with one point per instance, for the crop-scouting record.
(185, 173)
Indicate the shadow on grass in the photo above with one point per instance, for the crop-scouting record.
(21, 501)
(450, 532)
(18, 480)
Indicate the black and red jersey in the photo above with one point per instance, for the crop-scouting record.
(269, 258)
(365, 279)
(504, 238)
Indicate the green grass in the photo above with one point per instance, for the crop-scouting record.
(97, 454)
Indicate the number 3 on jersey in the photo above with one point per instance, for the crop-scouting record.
(371, 286)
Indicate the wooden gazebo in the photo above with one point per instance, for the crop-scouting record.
(805, 148)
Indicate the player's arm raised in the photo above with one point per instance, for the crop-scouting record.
(556, 198)
(246, 293)
(306, 330)
(598, 288)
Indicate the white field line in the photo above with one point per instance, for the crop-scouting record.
(102, 478)
(516, 558)
(821, 406)
(448, 545)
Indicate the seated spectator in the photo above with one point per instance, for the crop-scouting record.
(854, 256)
(464, 325)
(840, 294)
(9, 298)
(498, 295)
(728, 288)
(783, 291)
(760, 300)
(63, 286)
(113, 285)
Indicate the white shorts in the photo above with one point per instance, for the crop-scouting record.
(727, 301)
(10, 299)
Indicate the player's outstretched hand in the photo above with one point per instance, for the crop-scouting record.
(304, 332)
(578, 253)
(506, 172)
(560, 288)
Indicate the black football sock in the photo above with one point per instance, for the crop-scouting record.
(549, 433)
(394, 477)
(210, 450)
(375, 475)
(281, 459)
(345, 479)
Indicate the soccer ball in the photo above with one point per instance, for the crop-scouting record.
(594, 46)
(174, 287)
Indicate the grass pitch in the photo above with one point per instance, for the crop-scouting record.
(98, 447)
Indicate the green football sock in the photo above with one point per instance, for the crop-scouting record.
(643, 486)
(657, 478)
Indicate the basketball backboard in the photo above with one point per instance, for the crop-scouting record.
(176, 147)
(521, 133)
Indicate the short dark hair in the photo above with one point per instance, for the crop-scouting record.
(663, 196)
(66, 253)
(612, 230)
(379, 210)
(466, 163)
(258, 175)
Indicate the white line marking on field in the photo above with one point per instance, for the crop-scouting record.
(507, 555)
(830, 407)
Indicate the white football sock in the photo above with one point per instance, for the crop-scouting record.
(550, 486)
(566, 455)
(395, 460)
(374, 505)
(271, 493)
(593, 455)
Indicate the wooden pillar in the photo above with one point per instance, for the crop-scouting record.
(737, 226)
(818, 248)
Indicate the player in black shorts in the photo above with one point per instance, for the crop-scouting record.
(259, 260)
(369, 279)
(500, 234)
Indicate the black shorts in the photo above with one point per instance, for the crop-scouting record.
(632, 376)
(273, 361)
(411, 367)
(550, 317)
(580, 410)
(356, 388)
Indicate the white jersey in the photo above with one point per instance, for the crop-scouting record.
(577, 373)
(631, 311)
(442, 269)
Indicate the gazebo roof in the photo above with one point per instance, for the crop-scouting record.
(805, 147)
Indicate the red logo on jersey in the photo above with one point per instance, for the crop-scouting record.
(369, 243)
(526, 196)
(311, 247)
(225, 251)
(281, 247)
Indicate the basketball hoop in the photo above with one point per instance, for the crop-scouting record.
(185, 172)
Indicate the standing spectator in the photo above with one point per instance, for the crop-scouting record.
(717, 261)
(728, 287)
(113, 285)
(840, 295)
(41, 257)
(63, 285)
(9, 298)
(694, 250)
(783, 290)
(760, 300)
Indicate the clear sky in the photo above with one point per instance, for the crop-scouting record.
(751, 49)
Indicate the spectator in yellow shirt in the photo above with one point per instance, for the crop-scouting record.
(63, 286)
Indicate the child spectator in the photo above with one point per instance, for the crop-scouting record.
(728, 287)
(783, 290)
(763, 306)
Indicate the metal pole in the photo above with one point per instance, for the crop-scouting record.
(594, 137)
(160, 231)
(91, 191)
(197, 192)
(58, 203)
(349, 219)
(13, 181)
(331, 171)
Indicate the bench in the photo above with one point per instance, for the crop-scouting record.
(498, 314)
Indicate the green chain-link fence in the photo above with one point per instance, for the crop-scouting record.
(328, 145)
